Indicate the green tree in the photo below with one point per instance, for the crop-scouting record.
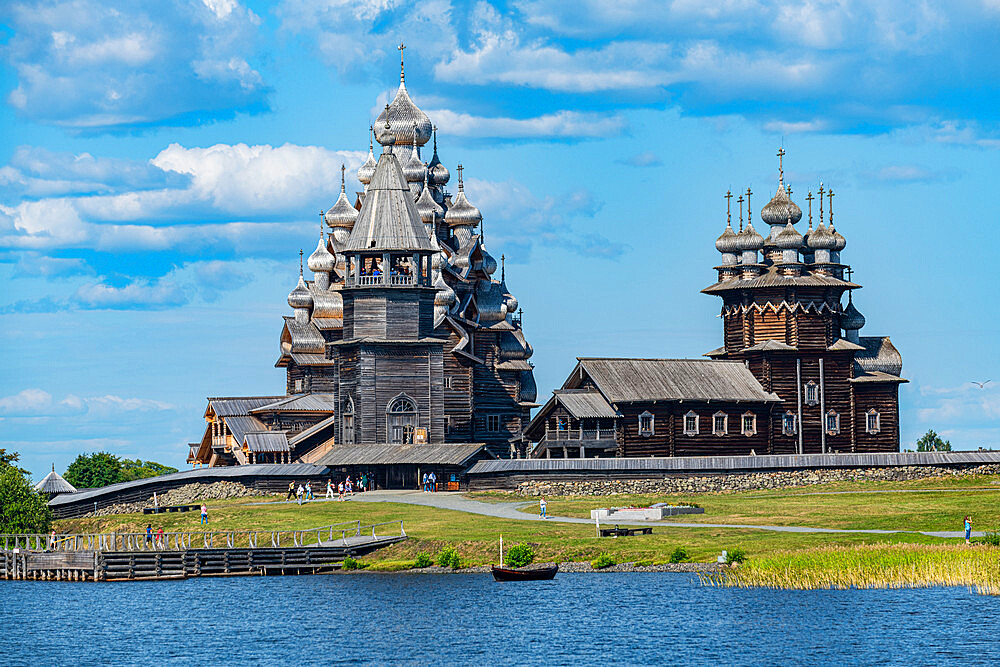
(90, 471)
(22, 509)
(932, 442)
(139, 469)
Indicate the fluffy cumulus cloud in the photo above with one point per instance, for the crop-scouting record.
(183, 198)
(791, 65)
(94, 65)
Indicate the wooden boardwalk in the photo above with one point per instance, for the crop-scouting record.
(136, 556)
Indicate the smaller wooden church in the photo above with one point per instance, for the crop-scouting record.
(793, 376)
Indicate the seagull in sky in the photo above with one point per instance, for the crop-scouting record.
(981, 385)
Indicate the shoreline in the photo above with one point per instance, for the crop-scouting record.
(569, 566)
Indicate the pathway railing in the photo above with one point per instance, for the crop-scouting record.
(350, 532)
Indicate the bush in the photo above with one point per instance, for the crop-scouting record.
(519, 555)
(679, 555)
(423, 560)
(449, 558)
(603, 561)
(22, 510)
(90, 471)
(735, 555)
(990, 537)
(351, 564)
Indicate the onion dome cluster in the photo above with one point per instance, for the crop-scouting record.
(727, 241)
(403, 121)
(749, 240)
(788, 238)
(821, 238)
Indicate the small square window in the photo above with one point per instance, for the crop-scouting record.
(298, 386)
(448, 382)
(872, 422)
(492, 423)
(749, 423)
(720, 423)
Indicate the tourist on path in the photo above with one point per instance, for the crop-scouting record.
(424, 482)
(364, 482)
(329, 488)
(52, 539)
(291, 491)
(299, 493)
(309, 491)
(541, 507)
(159, 533)
(340, 490)
(349, 486)
(149, 534)
(204, 514)
(432, 481)
(968, 528)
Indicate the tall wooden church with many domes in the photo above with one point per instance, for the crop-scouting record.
(404, 349)
(793, 375)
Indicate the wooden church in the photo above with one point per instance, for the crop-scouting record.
(793, 375)
(403, 349)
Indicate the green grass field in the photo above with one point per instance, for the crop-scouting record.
(475, 537)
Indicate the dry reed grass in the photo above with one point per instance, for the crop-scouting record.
(869, 566)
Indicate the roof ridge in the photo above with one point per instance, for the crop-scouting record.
(713, 361)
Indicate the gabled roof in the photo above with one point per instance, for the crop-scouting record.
(635, 380)
(240, 425)
(238, 405)
(584, 404)
(388, 219)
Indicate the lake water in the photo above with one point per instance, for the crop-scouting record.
(634, 619)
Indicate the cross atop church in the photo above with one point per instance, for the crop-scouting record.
(729, 196)
(401, 47)
(459, 168)
(809, 198)
(781, 170)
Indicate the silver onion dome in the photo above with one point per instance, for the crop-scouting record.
(727, 241)
(821, 239)
(439, 174)
(462, 212)
(367, 170)
(321, 261)
(749, 239)
(788, 238)
(403, 121)
(489, 263)
(414, 169)
(300, 296)
(780, 209)
(839, 241)
(426, 206)
(342, 214)
(851, 319)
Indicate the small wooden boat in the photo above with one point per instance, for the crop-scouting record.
(525, 574)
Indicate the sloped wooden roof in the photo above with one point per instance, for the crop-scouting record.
(583, 404)
(267, 441)
(631, 380)
(457, 455)
(315, 402)
(53, 483)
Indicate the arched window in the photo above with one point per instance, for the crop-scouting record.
(812, 393)
(749, 424)
(832, 422)
(720, 423)
(401, 419)
(789, 423)
(349, 422)
(691, 423)
(872, 421)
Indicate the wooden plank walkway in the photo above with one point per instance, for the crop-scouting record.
(136, 556)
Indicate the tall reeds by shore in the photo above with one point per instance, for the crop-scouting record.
(869, 566)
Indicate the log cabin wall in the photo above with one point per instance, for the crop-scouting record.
(669, 439)
(457, 394)
(494, 396)
(884, 398)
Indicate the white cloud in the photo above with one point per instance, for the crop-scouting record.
(34, 403)
(561, 124)
(108, 65)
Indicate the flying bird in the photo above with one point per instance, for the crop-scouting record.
(981, 385)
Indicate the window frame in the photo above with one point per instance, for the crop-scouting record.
(873, 430)
(449, 382)
(493, 424)
(795, 423)
(350, 423)
(408, 420)
(725, 423)
(810, 393)
(645, 431)
(835, 429)
(697, 423)
(753, 425)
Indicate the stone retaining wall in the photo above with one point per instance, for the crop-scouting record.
(751, 481)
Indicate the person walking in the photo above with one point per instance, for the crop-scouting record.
(149, 534)
(329, 488)
(432, 480)
(968, 529)
(204, 514)
(340, 490)
(309, 491)
(159, 535)
(349, 486)
(423, 483)
(541, 507)
(291, 491)
(299, 493)
(364, 482)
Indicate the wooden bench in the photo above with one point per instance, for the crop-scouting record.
(625, 532)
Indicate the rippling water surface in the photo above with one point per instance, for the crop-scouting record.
(635, 619)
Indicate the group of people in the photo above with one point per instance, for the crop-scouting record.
(429, 482)
(343, 489)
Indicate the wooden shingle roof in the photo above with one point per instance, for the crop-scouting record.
(632, 380)
(456, 455)
(582, 404)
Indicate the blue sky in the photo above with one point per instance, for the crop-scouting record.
(162, 163)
